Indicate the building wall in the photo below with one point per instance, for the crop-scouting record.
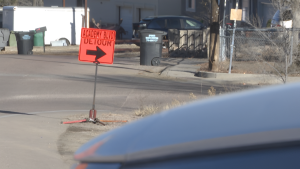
(169, 7)
(108, 10)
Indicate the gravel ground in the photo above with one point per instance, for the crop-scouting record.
(83, 132)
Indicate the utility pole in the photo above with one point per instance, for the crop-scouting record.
(64, 3)
(85, 13)
(214, 37)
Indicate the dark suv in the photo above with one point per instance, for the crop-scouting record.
(164, 23)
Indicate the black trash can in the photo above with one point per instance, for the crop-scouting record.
(151, 46)
(25, 42)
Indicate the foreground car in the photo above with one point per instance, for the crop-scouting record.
(249, 130)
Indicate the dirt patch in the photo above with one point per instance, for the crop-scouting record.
(79, 133)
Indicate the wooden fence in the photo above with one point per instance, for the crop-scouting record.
(188, 43)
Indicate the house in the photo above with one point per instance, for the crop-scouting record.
(259, 10)
(130, 11)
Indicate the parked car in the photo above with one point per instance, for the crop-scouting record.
(255, 129)
(163, 23)
(284, 19)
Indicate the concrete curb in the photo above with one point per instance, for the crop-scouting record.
(226, 75)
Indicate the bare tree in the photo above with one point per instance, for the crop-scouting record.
(37, 3)
(294, 5)
(22, 2)
(214, 37)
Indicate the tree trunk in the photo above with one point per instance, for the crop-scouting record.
(214, 37)
(33, 2)
(296, 20)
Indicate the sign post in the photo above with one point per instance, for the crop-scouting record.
(235, 14)
(96, 46)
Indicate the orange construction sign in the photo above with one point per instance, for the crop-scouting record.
(97, 45)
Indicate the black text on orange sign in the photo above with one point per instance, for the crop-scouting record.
(97, 42)
(98, 34)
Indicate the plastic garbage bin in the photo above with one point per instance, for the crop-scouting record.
(4, 36)
(25, 42)
(12, 39)
(151, 46)
(38, 39)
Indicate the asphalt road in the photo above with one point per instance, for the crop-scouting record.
(38, 91)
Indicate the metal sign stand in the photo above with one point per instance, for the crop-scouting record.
(93, 112)
(233, 35)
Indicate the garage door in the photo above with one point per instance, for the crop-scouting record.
(126, 15)
(146, 12)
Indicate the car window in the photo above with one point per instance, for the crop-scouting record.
(190, 24)
(144, 23)
(157, 24)
(174, 23)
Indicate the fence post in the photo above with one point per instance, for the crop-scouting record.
(232, 44)
(222, 36)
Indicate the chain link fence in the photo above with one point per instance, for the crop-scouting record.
(268, 51)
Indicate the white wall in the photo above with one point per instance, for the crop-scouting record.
(1, 9)
(108, 12)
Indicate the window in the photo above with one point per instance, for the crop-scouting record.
(157, 24)
(174, 23)
(190, 5)
(190, 24)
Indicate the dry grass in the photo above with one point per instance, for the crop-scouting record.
(153, 109)
(212, 91)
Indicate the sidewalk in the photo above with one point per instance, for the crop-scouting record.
(189, 68)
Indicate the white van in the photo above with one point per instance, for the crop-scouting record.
(1, 9)
(63, 23)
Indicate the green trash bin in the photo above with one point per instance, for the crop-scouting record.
(38, 39)
(12, 39)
